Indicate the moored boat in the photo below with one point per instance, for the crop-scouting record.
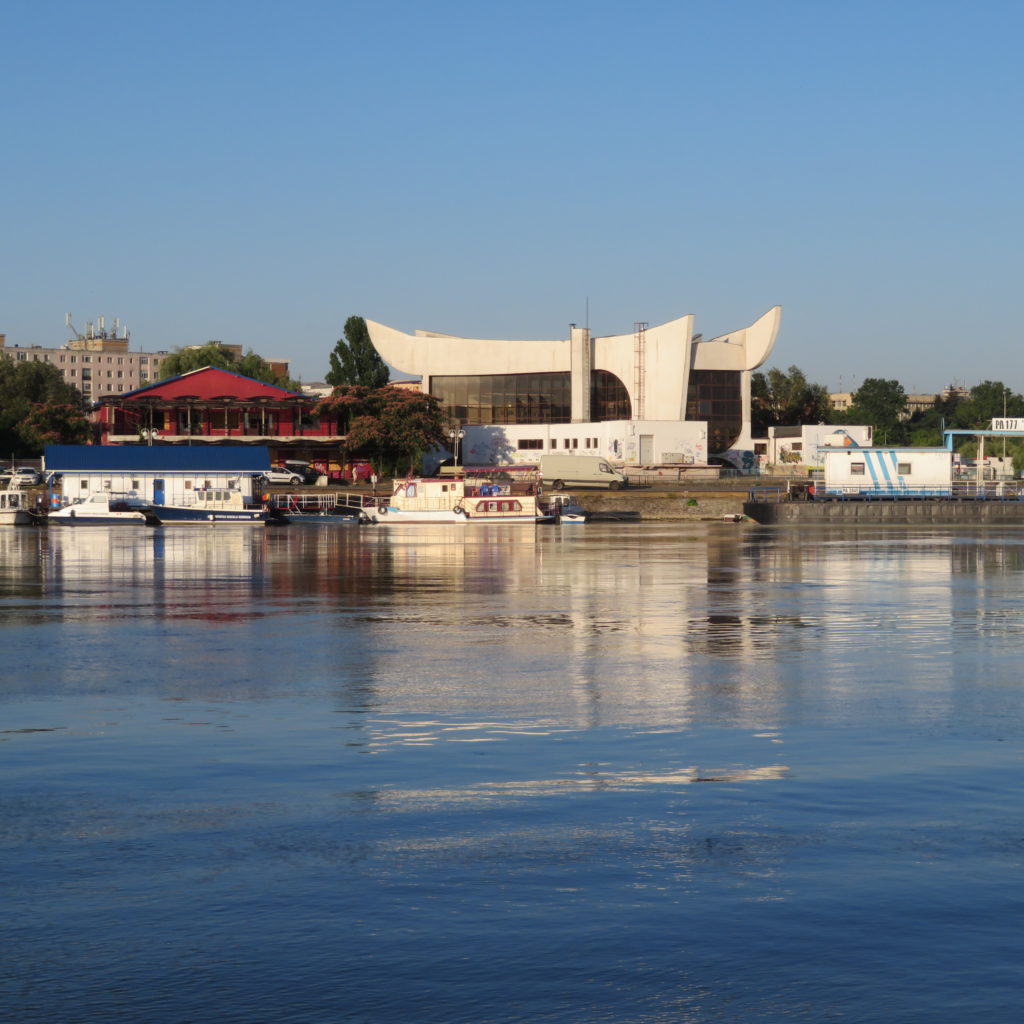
(566, 509)
(14, 510)
(460, 502)
(213, 505)
(105, 510)
(329, 509)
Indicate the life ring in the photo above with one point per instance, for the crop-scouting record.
(382, 510)
(459, 510)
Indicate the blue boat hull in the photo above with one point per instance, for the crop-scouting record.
(172, 515)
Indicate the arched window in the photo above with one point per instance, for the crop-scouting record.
(609, 399)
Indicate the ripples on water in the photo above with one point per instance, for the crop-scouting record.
(643, 773)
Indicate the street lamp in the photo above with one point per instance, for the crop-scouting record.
(456, 436)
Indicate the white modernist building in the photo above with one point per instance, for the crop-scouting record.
(661, 394)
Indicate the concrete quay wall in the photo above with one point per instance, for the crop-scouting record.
(938, 512)
(665, 506)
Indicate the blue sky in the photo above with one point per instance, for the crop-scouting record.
(257, 172)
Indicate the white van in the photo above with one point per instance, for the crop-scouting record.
(558, 471)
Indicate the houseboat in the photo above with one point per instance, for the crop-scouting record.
(459, 501)
(178, 484)
(14, 509)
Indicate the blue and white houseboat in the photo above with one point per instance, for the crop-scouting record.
(176, 484)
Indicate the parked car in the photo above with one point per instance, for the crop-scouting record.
(26, 476)
(304, 469)
(282, 476)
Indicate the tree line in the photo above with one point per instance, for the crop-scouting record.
(787, 398)
(394, 427)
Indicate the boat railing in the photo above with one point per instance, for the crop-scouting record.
(1004, 490)
(321, 502)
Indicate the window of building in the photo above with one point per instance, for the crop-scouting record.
(526, 397)
(135, 485)
(797, 446)
(575, 442)
(553, 443)
(856, 469)
(716, 396)
(225, 419)
(530, 442)
(565, 442)
(83, 485)
(903, 468)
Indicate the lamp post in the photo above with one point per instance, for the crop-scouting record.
(456, 436)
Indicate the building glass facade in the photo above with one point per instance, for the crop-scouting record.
(716, 396)
(509, 398)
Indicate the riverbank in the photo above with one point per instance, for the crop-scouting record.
(664, 503)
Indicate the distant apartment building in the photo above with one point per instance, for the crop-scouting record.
(98, 362)
(842, 400)
(98, 365)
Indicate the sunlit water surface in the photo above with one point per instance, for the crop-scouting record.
(602, 773)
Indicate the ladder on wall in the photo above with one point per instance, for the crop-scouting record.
(639, 367)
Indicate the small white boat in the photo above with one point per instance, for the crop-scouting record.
(566, 509)
(458, 501)
(104, 510)
(14, 508)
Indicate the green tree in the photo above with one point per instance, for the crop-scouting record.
(989, 400)
(925, 428)
(880, 404)
(393, 427)
(37, 407)
(55, 422)
(787, 399)
(354, 361)
(213, 353)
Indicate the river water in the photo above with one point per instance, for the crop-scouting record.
(623, 773)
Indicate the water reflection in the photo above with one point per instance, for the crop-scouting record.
(587, 628)
(502, 775)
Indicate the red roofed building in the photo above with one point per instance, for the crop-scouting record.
(214, 406)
